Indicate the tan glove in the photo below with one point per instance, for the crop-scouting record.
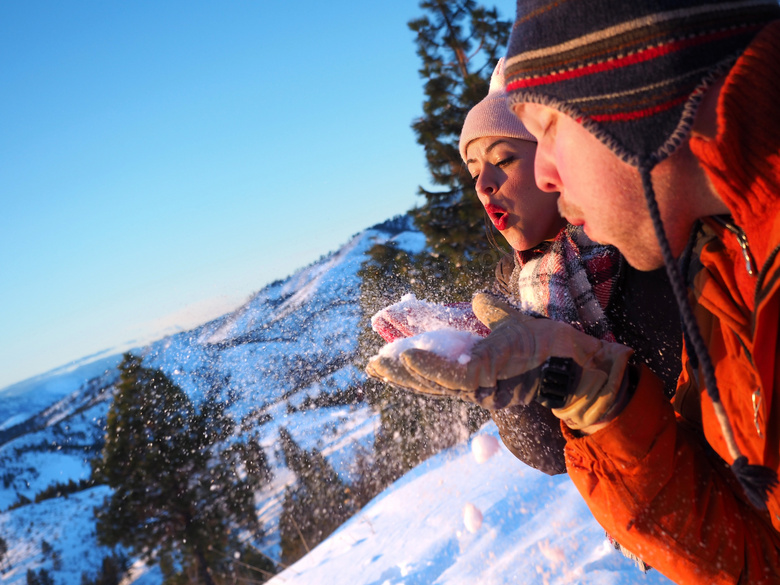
(503, 393)
(507, 366)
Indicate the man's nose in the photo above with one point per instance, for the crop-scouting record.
(546, 170)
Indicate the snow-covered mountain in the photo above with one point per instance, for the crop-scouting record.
(293, 342)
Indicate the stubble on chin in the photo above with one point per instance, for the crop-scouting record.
(568, 210)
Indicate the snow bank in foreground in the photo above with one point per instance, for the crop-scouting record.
(534, 529)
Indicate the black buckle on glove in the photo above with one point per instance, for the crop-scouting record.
(557, 381)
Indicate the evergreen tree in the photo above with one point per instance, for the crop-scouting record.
(42, 577)
(112, 569)
(177, 489)
(3, 553)
(459, 44)
(318, 503)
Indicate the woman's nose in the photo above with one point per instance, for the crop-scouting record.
(486, 184)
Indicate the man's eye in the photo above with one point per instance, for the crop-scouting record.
(548, 126)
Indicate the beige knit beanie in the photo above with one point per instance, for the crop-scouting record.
(492, 116)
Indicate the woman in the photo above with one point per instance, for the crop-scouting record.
(556, 271)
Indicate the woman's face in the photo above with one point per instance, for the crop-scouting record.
(503, 172)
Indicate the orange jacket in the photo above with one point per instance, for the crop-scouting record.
(655, 478)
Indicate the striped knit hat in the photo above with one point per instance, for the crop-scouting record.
(492, 116)
(633, 74)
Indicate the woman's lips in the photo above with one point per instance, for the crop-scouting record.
(498, 215)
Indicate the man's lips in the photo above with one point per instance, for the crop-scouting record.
(572, 214)
(498, 215)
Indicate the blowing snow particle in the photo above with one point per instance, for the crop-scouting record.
(483, 447)
(472, 517)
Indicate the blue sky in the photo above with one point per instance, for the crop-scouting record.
(161, 161)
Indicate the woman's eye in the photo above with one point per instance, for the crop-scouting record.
(474, 178)
(505, 161)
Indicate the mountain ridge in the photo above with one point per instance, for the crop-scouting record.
(292, 341)
(294, 371)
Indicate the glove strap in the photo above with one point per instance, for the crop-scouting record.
(625, 393)
(558, 379)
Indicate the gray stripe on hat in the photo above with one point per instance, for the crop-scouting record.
(635, 24)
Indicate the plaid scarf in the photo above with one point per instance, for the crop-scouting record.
(570, 279)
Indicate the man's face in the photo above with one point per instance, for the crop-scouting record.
(600, 192)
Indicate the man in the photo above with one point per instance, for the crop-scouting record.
(657, 122)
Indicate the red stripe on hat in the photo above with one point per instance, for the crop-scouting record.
(637, 114)
(634, 58)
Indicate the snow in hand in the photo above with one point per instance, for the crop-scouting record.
(450, 344)
(449, 331)
(410, 317)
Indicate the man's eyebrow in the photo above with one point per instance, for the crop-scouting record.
(488, 149)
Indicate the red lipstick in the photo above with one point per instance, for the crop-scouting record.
(498, 215)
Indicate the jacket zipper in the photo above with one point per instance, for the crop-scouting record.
(742, 241)
(749, 263)
(757, 402)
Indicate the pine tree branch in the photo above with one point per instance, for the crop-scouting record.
(306, 546)
(477, 50)
(252, 567)
(460, 54)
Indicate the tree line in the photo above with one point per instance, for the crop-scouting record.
(182, 481)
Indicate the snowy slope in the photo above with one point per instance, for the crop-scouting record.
(22, 400)
(535, 529)
(59, 522)
(293, 341)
